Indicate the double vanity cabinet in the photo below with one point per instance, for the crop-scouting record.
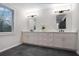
(65, 40)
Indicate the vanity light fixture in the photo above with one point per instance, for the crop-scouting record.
(61, 11)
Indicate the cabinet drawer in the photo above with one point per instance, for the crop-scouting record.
(70, 35)
(58, 40)
(58, 35)
(70, 41)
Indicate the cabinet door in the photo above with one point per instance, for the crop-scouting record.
(45, 39)
(25, 37)
(58, 40)
(51, 40)
(31, 38)
(69, 41)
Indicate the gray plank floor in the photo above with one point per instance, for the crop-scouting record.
(31, 50)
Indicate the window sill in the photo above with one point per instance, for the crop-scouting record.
(6, 33)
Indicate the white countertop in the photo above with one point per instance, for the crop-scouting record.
(51, 31)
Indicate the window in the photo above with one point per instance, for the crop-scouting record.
(6, 19)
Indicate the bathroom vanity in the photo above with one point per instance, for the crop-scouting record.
(65, 40)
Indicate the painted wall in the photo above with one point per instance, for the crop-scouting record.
(47, 18)
(9, 40)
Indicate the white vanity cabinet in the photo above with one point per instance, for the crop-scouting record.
(66, 40)
(38, 38)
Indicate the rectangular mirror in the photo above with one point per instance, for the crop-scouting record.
(61, 20)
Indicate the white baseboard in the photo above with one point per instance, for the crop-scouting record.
(10, 47)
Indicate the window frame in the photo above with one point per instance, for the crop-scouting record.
(12, 26)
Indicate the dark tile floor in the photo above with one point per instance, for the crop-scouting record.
(30, 50)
